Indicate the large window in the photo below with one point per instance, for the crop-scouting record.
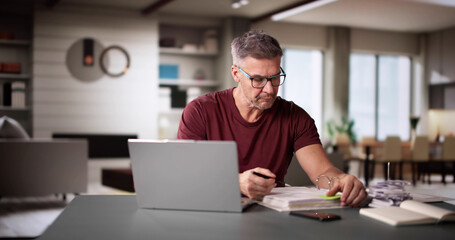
(362, 91)
(379, 95)
(303, 83)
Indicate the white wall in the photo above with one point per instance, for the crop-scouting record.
(63, 104)
(375, 41)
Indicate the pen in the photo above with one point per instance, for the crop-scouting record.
(267, 177)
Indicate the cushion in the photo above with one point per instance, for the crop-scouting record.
(10, 128)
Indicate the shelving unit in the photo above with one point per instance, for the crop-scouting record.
(195, 54)
(194, 51)
(16, 51)
(17, 20)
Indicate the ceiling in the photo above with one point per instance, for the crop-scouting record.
(394, 15)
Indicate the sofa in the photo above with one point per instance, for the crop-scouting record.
(34, 167)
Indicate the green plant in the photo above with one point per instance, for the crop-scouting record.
(346, 127)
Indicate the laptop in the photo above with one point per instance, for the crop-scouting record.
(186, 175)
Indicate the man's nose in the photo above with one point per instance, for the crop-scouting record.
(268, 88)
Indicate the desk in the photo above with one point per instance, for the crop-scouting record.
(118, 217)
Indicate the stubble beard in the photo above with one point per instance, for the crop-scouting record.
(255, 102)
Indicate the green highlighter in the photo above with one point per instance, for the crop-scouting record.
(329, 197)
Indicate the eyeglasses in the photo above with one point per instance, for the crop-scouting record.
(260, 81)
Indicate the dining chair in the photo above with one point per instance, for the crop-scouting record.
(361, 153)
(448, 156)
(420, 157)
(368, 140)
(391, 152)
(344, 146)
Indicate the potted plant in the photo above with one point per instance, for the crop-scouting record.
(346, 127)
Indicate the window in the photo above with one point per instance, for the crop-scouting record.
(379, 95)
(303, 83)
(362, 91)
(394, 92)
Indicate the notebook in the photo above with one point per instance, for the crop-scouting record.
(409, 212)
(186, 175)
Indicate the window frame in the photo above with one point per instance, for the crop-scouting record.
(376, 86)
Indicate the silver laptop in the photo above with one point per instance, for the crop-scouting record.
(186, 175)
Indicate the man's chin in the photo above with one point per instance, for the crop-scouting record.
(264, 105)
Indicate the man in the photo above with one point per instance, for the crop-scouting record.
(267, 129)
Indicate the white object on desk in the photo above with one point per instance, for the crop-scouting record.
(298, 198)
(409, 213)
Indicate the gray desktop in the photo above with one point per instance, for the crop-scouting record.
(118, 217)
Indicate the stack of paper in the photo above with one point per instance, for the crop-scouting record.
(299, 198)
(388, 193)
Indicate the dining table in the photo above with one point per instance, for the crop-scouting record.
(369, 146)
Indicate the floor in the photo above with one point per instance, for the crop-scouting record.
(27, 218)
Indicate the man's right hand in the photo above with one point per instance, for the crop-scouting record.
(255, 187)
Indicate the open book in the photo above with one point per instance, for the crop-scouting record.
(299, 198)
(409, 212)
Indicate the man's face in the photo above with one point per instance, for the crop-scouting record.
(260, 98)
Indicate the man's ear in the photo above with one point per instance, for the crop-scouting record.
(234, 71)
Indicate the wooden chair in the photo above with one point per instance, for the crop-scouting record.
(343, 144)
(391, 153)
(448, 156)
(366, 140)
(373, 152)
(344, 147)
(420, 156)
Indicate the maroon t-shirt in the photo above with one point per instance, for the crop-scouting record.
(269, 142)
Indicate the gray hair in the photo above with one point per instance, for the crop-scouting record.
(256, 44)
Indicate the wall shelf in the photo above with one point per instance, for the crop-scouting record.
(12, 76)
(180, 51)
(189, 82)
(15, 42)
(14, 109)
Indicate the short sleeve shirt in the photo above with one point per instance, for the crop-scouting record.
(270, 142)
